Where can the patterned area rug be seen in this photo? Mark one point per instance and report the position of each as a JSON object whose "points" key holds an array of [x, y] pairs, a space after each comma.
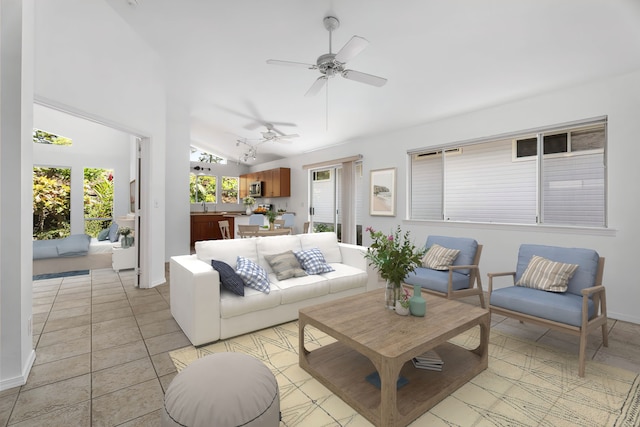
{"points": [[526, 384]]}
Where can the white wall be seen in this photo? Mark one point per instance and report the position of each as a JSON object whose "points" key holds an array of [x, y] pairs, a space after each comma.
{"points": [[90, 62], [618, 98]]}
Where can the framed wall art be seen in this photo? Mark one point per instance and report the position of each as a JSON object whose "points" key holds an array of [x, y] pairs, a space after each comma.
{"points": [[382, 195]]}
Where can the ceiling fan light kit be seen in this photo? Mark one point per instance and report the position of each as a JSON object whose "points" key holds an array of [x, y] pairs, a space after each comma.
{"points": [[331, 64]]}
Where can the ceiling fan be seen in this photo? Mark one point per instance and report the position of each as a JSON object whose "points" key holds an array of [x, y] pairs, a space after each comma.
{"points": [[331, 64], [271, 134]]}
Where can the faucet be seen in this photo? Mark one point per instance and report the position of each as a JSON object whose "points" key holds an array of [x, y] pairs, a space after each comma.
{"points": [[204, 206]]}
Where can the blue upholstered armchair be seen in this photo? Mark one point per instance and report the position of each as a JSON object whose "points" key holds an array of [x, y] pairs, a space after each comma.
{"points": [[451, 279], [558, 288]]}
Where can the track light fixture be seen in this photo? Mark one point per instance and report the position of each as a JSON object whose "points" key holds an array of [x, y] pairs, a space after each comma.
{"points": [[201, 168]]}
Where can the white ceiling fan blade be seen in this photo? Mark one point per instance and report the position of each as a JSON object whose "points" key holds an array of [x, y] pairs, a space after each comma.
{"points": [[293, 135], [351, 49], [292, 64], [316, 86], [364, 78]]}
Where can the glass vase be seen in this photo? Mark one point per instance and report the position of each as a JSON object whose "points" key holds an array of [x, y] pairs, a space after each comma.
{"points": [[391, 295]]}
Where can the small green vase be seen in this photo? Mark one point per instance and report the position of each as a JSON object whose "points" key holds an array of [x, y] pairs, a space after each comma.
{"points": [[417, 304]]}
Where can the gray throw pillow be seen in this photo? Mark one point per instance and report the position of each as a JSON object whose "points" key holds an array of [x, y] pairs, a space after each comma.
{"points": [[285, 265]]}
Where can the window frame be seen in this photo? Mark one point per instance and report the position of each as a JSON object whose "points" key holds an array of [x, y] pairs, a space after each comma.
{"points": [[577, 126]]}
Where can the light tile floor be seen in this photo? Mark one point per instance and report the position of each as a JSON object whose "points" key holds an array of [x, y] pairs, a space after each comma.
{"points": [[102, 352]]}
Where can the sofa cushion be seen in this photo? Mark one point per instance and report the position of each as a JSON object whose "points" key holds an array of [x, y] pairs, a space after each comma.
{"points": [[561, 307], [439, 258], [252, 274], [285, 265], [436, 280], [226, 250], [228, 277], [272, 245], [587, 260], [327, 242], [547, 275], [254, 301], [345, 277], [301, 288], [312, 261], [467, 246]]}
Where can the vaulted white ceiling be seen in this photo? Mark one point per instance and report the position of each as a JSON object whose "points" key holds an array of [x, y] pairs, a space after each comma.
{"points": [[441, 58]]}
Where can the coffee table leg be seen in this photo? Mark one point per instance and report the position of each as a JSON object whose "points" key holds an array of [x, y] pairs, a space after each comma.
{"points": [[389, 374]]}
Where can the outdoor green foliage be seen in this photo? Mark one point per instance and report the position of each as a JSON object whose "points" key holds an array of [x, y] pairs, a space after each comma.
{"points": [[320, 227], [98, 200], [229, 189], [202, 188], [209, 158], [51, 203], [42, 137]]}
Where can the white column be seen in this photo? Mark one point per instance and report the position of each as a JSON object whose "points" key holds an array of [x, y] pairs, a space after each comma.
{"points": [[16, 189]]}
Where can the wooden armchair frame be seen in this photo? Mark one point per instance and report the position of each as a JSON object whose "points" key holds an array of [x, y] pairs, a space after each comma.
{"points": [[599, 320], [475, 282]]}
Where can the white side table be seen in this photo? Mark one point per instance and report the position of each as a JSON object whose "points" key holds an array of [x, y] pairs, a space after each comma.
{"points": [[122, 259]]}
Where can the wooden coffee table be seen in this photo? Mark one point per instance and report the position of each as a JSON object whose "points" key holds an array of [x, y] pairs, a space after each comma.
{"points": [[372, 338]]}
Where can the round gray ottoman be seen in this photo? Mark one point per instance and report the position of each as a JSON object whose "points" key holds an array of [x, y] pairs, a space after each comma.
{"points": [[223, 390]]}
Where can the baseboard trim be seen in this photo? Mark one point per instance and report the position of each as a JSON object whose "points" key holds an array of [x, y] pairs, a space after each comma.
{"points": [[20, 380]]}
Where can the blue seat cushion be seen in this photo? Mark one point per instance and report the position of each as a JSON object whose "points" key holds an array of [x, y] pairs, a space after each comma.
{"points": [[436, 280], [560, 307], [465, 245], [587, 260]]}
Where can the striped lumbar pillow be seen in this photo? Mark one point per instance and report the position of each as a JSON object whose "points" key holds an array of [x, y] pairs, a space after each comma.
{"points": [[547, 275], [439, 257]]}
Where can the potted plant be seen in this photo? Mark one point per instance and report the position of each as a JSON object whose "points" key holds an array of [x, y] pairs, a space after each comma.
{"points": [[248, 202], [394, 256], [271, 216], [127, 241]]}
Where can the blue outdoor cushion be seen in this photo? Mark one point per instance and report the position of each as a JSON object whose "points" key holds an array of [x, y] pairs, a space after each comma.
{"points": [[228, 277], [74, 245], [561, 307], [45, 249], [587, 260], [436, 280], [465, 245], [113, 232], [103, 235]]}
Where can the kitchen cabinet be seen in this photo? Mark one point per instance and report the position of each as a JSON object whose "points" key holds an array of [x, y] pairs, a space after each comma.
{"points": [[205, 226], [244, 186], [276, 182]]}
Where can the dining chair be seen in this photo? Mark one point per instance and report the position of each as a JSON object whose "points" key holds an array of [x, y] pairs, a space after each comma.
{"points": [[256, 219], [279, 223], [248, 230], [305, 228], [224, 229], [289, 220]]}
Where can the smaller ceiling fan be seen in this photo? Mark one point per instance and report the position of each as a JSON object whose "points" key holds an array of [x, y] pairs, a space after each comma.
{"points": [[272, 134], [331, 64]]}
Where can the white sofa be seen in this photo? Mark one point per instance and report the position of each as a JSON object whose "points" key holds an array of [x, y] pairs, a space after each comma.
{"points": [[207, 312]]}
